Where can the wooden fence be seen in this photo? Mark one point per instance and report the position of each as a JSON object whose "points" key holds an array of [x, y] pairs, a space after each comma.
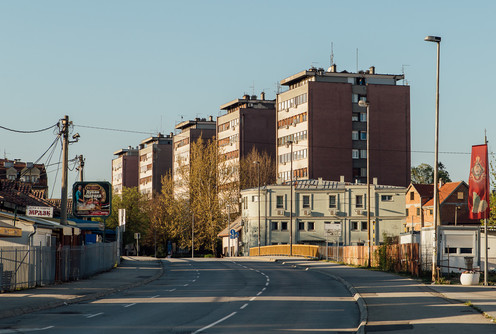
{"points": [[396, 257]]}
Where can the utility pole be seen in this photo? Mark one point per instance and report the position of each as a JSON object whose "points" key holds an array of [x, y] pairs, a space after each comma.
{"points": [[81, 168], [64, 131]]}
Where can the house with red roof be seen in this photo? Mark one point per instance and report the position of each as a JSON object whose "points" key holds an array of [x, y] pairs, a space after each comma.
{"points": [[453, 205]]}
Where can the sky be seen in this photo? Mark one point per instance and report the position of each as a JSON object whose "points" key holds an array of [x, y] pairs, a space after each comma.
{"points": [[140, 67]]}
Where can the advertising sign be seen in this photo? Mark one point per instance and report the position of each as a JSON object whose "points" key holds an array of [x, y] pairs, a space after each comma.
{"points": [[91, 199], [39, 211]]}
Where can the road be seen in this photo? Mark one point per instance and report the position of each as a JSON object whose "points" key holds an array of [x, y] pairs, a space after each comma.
{"points": [[209, 296]]}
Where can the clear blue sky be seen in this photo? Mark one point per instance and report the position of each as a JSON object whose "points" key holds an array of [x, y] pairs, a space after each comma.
{"points": [[141, 65]]}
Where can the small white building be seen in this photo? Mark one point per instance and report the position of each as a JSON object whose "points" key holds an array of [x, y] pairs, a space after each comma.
{"points": [[316, 202]]}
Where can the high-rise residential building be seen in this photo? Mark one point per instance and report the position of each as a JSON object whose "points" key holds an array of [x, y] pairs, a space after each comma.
{"points": [[125, 169], [249, 123], [155, 161], [320, 120], [189, 133]]}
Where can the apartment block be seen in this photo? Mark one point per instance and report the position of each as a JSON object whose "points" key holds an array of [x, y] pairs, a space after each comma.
{"points": [[315, 204], [189, 132], [125, 169], [155, 161], [249, 123], [320, 121]]}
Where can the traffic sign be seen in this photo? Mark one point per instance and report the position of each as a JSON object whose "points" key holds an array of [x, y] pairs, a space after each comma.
{"points": [[233, 234]]}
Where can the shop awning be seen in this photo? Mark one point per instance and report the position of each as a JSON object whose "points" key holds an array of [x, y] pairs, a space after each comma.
{"points": [[9, 231]]}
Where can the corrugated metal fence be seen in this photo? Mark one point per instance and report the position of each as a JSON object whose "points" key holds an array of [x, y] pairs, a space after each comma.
{"points": [[28, 267]]}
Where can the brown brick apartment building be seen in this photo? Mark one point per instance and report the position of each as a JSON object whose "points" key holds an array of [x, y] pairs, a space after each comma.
{"points": [[320, 116]]}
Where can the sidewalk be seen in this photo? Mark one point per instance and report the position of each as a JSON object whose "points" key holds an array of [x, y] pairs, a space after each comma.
{"points": [[132, 272], [397, 304]]}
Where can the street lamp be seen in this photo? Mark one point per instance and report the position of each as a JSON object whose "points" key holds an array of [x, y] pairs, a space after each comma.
{"points": [[258, 171], [366, 104], [290, 143], [436, 40]]}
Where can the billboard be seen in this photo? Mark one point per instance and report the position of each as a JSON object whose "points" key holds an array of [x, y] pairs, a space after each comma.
{"points": [[91, 199]]}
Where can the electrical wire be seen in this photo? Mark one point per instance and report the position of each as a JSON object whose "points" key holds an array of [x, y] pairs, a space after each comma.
{"points": [[110, 129], [28, 131], [58, 168]]}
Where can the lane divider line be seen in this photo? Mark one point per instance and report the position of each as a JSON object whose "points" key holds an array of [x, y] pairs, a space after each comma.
{"points": [[242, 307], [129, 305], [94, 315], [214, 323]]}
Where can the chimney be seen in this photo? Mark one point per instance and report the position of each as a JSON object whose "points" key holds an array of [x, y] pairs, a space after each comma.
{"points": [[441, 183], [341, 179], [262, 96], [253, 97], [171, 134], [246, 97], [374, 181], [372, 70], [210, 118], [332, 69]]}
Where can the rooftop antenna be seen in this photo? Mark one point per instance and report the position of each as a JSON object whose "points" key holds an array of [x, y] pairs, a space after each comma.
{"points": [[253, 88], [403, 72], [357, 60], [332, 53]]}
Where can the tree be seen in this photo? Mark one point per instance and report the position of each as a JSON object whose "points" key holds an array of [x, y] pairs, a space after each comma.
{"points": [[424, 174], [249, 172], [136, 205]]}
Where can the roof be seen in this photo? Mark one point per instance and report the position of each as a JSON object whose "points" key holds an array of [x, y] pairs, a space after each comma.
{"points": [[17, 193], [444, 192], [236, 225], [240, 102], [424, 190], [314, 72]]}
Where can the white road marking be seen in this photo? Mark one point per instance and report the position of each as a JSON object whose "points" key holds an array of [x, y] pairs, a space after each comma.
{"points": [[264, 289], [24, 330], [253, 298], [129, 305], [245, 305], [171, 290], [155, 296], [186, 284], [267, 284], [259, 293], [194, 281], [94, 315], [214, 323]]}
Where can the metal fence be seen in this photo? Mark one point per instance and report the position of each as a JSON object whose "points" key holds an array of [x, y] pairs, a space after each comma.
{"points": [[27, 267]]}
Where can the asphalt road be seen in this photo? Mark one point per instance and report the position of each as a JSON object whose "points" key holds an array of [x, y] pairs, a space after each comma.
{"points": [[209, 296]]}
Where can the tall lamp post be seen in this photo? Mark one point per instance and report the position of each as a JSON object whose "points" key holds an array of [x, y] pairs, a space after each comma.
{"points": [[436, 40], [366, 104], [258, 171], [291, 202]]}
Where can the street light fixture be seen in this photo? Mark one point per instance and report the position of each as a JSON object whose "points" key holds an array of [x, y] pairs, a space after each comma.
{"points": [[366, 104], [258, 171], [436, 40]]}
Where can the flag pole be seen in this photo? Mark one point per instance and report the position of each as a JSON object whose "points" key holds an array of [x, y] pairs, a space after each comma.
{"points": [[485, 220]]}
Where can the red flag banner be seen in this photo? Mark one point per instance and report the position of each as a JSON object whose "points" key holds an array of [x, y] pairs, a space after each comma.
{"points": [[478, 184]]}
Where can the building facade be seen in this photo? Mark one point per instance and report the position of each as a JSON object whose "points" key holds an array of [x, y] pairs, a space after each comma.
{"points": [[155, 161], [320, 121], [125, 169], [189, 132], [28, 174], [315, 203]]}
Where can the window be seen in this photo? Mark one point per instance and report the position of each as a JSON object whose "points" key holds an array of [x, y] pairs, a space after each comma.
{"points": [[418, 211], [359, 201], [407, 212], [354, 154], [354, 135], [460, 195], [412, 195], [386, 198], [274, 226], [465, 250], [450, 250], [332, 201], [301, 226], [363, 154], [280, 202], [363, 135], [430, 212], [363, 172], [311, 226], [354, 117], [306, 201], [364, 226], [354, 226], [363, 117], [284, 226]]}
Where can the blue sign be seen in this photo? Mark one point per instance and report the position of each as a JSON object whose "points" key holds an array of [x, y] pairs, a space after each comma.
{"points": [[233, 234]]}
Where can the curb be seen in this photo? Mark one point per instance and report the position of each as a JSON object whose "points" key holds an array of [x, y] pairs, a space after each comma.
{"points": [[93, 296], [362, 306]]}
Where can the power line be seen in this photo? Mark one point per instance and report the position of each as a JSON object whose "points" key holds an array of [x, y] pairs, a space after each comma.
{"points": [[110, 129], [28, 131]]}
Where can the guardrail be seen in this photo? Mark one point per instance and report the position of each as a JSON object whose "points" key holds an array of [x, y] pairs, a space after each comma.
{"points": [[284, 250]]}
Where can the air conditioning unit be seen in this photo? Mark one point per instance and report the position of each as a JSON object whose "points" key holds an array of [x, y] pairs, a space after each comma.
{"points": [[287, 126], [234, 128], [294, 123], [307, 212], [287, 109], [280, 212], [332, 212], [283, 163], [359, 212]]}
